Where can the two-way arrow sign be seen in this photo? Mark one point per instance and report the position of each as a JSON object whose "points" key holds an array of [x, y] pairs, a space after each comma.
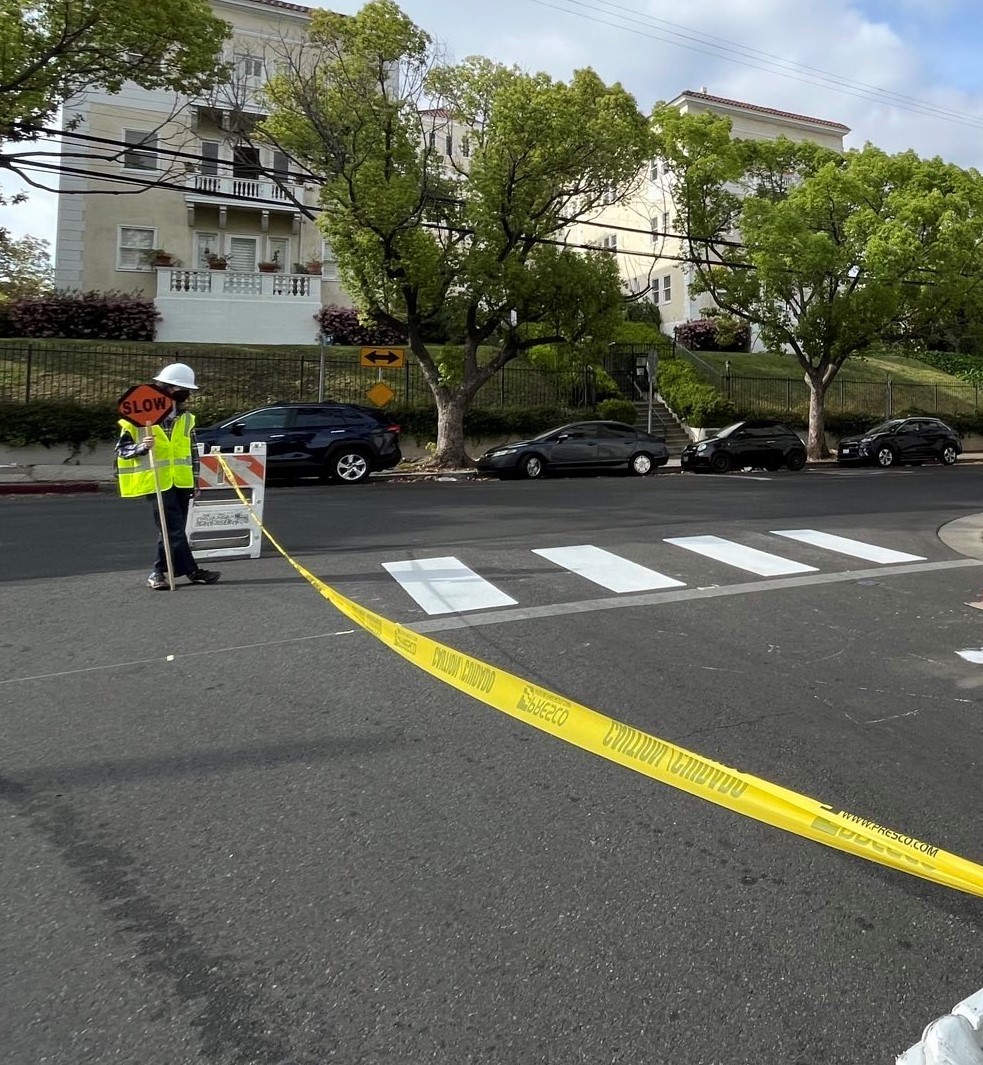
{"points": [[392, 358]]}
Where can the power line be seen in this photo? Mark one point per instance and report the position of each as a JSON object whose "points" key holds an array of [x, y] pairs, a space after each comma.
{"points": [[743, 56]]}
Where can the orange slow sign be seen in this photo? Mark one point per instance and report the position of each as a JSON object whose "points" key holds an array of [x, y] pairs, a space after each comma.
{"points": [[144, 405]]}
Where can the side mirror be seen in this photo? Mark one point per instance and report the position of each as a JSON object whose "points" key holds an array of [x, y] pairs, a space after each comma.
{"points": [[563, 436], [238, 428]]}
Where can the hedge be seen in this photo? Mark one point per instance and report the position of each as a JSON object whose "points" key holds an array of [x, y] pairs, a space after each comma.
{"points": [[50, 423], [689, 397], [83, 315]]}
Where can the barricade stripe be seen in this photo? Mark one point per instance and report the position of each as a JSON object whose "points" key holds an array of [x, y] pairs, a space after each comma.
{"points": [[659, 759]]}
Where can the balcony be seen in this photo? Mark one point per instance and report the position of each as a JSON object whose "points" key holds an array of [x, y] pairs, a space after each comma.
{"points": [[233, 307], [257, 193]]}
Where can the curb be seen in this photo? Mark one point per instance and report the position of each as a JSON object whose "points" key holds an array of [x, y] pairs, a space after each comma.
{"points": [[49, 488]]}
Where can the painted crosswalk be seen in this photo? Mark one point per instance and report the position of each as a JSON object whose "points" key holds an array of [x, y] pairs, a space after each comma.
{"points": [[446, 585], [750, 559], [607, 569]]}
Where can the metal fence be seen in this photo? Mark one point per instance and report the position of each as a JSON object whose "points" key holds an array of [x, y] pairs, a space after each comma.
{"points": [[846, 396], [244, 379]]}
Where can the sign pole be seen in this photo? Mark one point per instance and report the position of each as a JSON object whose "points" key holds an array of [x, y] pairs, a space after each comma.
{"points": [[164, 534]]}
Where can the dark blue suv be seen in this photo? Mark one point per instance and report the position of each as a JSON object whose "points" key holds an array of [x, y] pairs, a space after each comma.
{"points": [[340, 442]]}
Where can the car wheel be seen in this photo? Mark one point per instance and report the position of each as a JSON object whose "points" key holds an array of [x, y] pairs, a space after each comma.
{"points": [[640, 464], [348, 466], [532, 467], [884, 456], [948, 455], [720, 462], [796, 460]]}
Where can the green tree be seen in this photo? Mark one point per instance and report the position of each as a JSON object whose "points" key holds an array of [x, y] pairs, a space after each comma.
{"points": [[477, 244], [25, 267], [825, 254], [51, 50]]}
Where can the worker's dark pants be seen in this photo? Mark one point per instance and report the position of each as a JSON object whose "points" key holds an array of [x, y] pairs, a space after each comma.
{"points": [[176, 504]]}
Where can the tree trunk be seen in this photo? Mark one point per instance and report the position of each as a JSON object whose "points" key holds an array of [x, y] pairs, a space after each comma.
{"points": [[450, 453], [816, 441]]}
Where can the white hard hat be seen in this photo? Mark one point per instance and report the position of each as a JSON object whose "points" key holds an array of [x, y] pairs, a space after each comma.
{"points": [[178, 374]]}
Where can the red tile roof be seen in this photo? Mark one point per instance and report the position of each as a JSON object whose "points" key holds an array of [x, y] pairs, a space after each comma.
{"points": [[284, 5], [707, 98]]}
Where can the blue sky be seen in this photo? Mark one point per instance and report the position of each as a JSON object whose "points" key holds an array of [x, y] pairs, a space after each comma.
{"points": [[834, 59]]}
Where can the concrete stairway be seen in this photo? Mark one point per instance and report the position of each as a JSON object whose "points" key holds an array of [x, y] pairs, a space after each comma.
{"points": [[663, 424]]}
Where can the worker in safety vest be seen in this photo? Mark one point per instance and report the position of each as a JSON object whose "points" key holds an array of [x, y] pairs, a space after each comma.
{"points": [[176, 461]]}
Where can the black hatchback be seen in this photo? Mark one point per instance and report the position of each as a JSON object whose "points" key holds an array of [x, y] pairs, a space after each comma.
{"points": [[900, 440], [341, 442], [758, 443]]}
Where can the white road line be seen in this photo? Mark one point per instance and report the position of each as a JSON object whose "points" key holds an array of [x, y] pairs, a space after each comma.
{"points": [[445, 585], [739, 556], [607, 569], [972, 655], [845, 546]]}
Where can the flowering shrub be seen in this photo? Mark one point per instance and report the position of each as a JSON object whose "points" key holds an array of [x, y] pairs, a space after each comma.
{"points": [[714, 334], [342, 323], [86, 315]]}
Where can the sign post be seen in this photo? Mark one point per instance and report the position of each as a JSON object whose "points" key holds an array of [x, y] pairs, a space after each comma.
{"points": [[146, 406], [325, 340]]}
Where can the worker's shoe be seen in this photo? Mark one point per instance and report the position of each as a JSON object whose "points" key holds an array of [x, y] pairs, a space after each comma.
{"points": [[204, 576], [157, 581]]}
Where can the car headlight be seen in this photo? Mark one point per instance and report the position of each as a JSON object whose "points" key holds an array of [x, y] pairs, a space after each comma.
{"points": [[502, 451], [701, 447]]}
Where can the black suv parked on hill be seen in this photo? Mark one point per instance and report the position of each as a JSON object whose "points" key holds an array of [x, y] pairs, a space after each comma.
{"points": [[901, 440], [340, 442]]}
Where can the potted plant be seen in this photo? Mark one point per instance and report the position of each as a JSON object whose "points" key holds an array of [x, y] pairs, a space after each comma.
{"points": [[299, 268], [217, 262], [314, 266], [159, 257]]}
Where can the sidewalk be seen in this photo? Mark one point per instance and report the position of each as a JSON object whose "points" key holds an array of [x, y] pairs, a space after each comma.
{"points": [[65, 480]]}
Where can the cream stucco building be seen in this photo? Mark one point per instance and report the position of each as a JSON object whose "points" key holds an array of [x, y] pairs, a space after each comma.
{"points": [[238, 260], [640, 229]]}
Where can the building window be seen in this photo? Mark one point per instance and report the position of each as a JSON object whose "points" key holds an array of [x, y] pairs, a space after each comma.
{"points": [[133, 245], [206, 245], [245, 161], [465, 146], [329, 265], [667, 288], [654, 170], [449, 145], [250, 67], [281, 167], [665, 223], [208, 150], [655, 230], [141, 150], [433, 140], [610, 242], [609, 195]]}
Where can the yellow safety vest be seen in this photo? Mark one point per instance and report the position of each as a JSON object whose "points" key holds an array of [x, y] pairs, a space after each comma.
{"points": [[172, 457]]}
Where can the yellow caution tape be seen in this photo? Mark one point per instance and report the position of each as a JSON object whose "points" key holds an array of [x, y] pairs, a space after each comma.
{"points": [[630, 747]]}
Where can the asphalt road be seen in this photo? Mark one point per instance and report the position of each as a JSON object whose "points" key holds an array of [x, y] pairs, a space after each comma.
{"points": [[287, 845]]}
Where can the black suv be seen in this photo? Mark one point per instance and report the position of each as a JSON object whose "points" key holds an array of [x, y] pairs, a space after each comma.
{"points": [[764, 444], [335, 441], [901, 440]]}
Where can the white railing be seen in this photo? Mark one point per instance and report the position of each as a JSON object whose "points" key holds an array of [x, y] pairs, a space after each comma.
{"points": [[235, 283], [239, 188]]}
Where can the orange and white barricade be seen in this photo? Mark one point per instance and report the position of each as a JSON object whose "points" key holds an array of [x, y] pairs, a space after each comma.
{"points": [[219, 526]]}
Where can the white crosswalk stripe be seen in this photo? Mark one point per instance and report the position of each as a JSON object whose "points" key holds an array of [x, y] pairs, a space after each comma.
{"points": [[733, 554], [845, 546], [607, 569], [446, 586]]}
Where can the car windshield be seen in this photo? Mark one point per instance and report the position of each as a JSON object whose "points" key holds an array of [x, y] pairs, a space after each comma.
{"points": [[884, 427], [730, 429]]}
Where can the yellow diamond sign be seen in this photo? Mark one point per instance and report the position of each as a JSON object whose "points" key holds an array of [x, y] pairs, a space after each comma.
{"points": [[380, 393]]}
